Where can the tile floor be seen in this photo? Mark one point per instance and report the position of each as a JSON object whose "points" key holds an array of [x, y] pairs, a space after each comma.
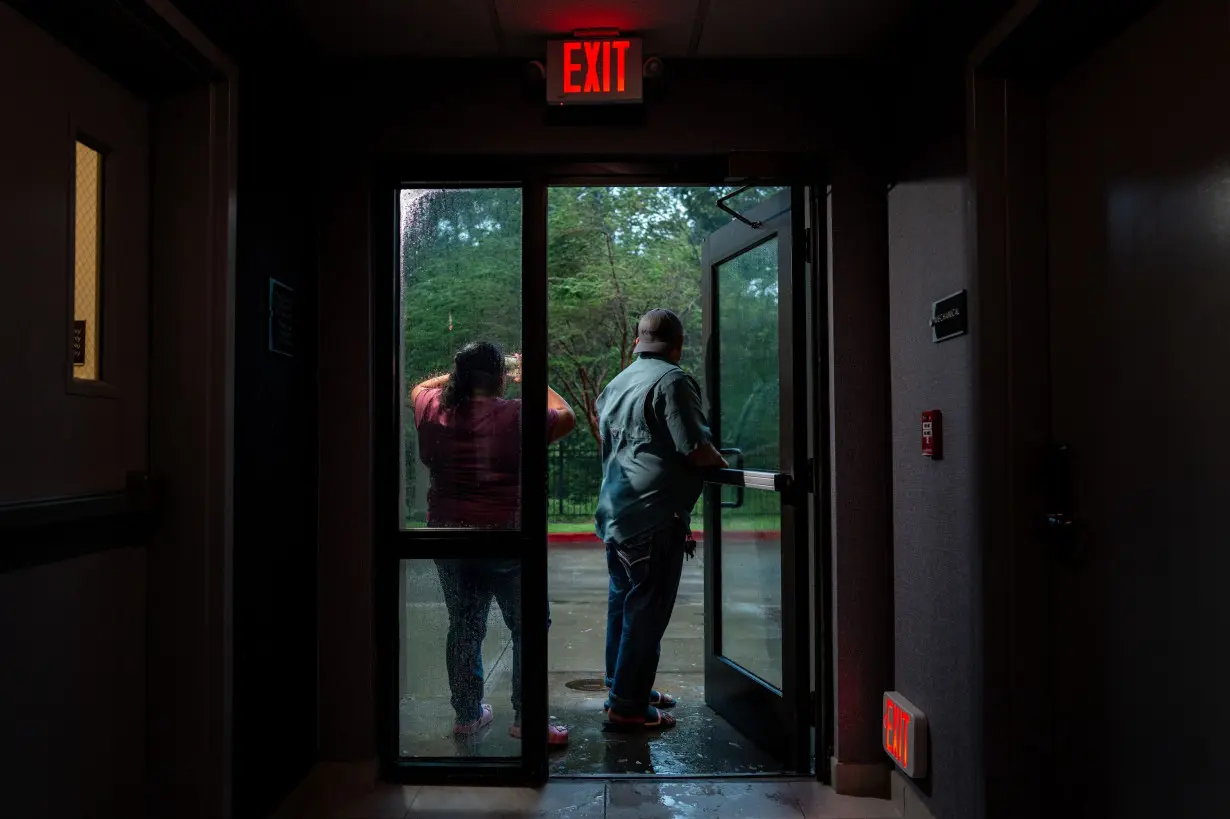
{"points": [[610, 800]]}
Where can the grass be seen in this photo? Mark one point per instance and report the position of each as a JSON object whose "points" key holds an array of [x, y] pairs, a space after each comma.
{"points": [[746, 519], [570, 527], [739, 523], [733, 523]]}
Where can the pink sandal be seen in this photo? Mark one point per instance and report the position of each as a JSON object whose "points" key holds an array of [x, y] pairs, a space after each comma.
{"points": [[557, 735], [469, 728]]}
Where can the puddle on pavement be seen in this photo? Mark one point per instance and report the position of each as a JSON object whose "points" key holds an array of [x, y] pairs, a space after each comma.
{"points": [[702, 744]]}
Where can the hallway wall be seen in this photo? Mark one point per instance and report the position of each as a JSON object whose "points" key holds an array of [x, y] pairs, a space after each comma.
{"points": [[72, 687], [860, 471], [405, 112], [480, 107], [935, 542], [275, 446]]}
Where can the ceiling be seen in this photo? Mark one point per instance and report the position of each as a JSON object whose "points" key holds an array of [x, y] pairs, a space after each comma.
{"points": [[670, 28]]}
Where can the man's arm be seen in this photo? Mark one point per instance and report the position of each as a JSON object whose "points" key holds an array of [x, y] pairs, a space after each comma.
{"points": [[706, 456], [679, 406]]}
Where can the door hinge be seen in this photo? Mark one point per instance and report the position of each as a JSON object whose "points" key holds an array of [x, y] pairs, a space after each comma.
{"points": [[807, 244]]}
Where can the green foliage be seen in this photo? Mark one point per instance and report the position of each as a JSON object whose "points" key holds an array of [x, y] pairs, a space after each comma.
{"points": [[613, 253], [461, 274], [747, 298]]}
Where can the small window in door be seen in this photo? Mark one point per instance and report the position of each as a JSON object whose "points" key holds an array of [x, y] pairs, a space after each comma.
{"points": [[87, 264]]}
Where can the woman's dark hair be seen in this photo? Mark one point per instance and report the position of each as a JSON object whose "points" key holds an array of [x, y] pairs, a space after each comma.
{"points": [[478, 368]]}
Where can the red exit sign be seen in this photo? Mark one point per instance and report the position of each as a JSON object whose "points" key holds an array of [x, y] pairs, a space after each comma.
{"points": [[904, 735], [594, 70]]}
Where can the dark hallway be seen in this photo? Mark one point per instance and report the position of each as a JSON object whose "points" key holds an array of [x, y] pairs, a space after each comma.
{"points": [[944, 574]]}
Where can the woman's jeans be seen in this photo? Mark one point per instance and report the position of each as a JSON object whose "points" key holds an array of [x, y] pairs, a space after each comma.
{"points": [[468, 588]]}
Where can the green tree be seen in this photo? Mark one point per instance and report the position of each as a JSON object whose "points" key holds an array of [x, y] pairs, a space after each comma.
{"points": [[613, 254], [461, 274]]}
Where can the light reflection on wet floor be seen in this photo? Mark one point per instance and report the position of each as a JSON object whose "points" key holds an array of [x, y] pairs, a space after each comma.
{"points": [[593, 799], [702, 744]]}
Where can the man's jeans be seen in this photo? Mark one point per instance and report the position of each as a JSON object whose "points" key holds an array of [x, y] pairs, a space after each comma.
{"points": [[645, 573], [468, 588]]}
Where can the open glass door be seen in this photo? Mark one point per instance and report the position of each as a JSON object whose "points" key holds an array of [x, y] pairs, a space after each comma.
{"points": [[755, 513]]}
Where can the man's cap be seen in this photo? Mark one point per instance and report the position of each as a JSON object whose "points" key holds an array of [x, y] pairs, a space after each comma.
{"points": [[659, 331]]}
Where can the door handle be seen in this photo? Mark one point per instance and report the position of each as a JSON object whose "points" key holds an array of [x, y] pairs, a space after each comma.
{"points": [[737, 454], [1058, 519]]}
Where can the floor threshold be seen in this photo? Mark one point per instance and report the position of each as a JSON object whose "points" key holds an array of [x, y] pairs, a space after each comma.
{"points": [[337, 792]]}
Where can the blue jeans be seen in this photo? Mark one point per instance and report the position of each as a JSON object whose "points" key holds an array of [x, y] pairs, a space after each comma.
{"points": [[645, 572], [468, 588]]}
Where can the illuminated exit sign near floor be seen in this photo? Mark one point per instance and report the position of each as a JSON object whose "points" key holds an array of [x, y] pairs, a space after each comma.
{"points": [[904, 735], [594, 71]]}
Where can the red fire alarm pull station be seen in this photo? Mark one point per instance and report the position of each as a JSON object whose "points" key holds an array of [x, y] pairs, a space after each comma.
{"points": [[933, 434]]}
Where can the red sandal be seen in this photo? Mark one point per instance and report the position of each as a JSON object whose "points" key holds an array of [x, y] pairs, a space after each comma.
{"points": [[557, 735], [465, 729]]}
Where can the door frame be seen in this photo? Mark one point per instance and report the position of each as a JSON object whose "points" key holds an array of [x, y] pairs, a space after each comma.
{"points": [[392, 544], [535, 174]]}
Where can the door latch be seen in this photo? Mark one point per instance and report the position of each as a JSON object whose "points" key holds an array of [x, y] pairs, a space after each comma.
{"points": [[811, 479], [1058, 519]]}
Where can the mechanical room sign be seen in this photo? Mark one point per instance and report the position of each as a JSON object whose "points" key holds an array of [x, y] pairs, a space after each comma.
{"points": [[950, 317], [904, 735]]}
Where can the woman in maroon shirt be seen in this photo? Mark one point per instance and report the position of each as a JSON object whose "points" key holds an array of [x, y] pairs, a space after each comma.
{"points": [[470, 441]]}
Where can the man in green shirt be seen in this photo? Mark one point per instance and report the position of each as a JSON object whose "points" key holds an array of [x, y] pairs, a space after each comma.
{"points": [[655, 448]]}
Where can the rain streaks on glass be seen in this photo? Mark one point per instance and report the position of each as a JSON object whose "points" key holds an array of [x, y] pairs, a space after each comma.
{"points": [[460, 280]]}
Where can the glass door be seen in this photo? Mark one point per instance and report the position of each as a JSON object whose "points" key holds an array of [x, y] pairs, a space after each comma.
{"points": [[757, 669], [459, 361]]}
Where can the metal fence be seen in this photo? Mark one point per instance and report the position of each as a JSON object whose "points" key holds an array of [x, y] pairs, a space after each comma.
{"points": [[574, 476]]}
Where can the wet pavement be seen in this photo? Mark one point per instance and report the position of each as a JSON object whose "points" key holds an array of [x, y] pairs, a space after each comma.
{"points": [[703, 744]]}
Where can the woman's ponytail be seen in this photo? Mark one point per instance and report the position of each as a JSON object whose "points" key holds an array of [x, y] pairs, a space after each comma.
{"points": [[478, 367]]}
